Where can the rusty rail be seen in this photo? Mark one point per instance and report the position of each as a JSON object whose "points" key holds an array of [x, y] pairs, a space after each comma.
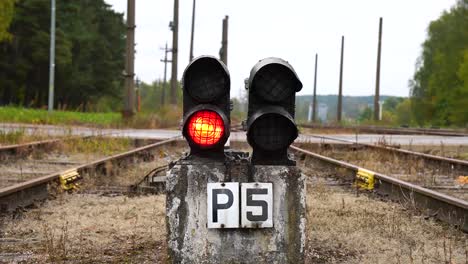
{"points": [[26, 193], [443, 207], [456, 162], [14, 148], [394, 130]]}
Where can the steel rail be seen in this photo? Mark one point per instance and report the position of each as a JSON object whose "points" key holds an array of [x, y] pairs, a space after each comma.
{"points": [[30, 145], [457, 162], [441, 206], [26, 193], [391, 130]]}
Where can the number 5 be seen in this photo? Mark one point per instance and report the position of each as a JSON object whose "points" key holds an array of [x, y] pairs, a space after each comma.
{"points": [[263, 204]]}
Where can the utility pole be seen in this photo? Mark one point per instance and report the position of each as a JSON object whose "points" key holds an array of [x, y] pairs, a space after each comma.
{"points": [[175, 44], [130, 61], [165, 60], [193, 31], [377, 77], [52, 57], [340, 92], [223, 53], [314, 109], [138, 94]]}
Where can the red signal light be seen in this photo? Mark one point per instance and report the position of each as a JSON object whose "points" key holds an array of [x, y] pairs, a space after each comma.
{"points": [[205, 128]]}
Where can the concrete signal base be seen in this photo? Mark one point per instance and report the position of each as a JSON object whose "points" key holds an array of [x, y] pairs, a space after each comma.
{"points": [[190, 241]]}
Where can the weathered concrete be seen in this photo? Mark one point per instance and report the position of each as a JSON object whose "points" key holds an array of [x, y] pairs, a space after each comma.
{"points": [[189, 239]]}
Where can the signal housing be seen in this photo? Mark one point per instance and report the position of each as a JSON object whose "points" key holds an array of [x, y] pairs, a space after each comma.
{"points": [[206, 88], [271, 129]]}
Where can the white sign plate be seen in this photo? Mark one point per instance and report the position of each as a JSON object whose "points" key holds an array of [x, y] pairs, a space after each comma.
{"points": [[223, 205], [257, 205]]}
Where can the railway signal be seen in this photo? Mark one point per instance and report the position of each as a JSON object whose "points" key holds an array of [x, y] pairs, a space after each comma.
{"points": [[272, 86], [217, 192], [206, 117]]}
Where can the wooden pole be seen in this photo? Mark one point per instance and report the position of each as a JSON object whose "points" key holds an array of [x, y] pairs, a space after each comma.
{"points": [[175, 44], [224, 42], [193, 31], [130, 61]]}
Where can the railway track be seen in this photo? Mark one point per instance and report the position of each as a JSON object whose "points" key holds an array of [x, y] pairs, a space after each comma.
{"points": [[394, 131], [429, 202], [27, 193], [25, 148], [456, 163], [30, 146]]}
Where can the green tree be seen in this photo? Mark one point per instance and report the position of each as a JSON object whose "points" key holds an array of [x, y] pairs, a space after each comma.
{"points": [[391, 103], [6, 16], [438, 90], [403, 112], [365, 115], [90, 45]]}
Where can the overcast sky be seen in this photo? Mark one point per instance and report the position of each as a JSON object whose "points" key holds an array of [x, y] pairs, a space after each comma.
{"points": [[294, 30]]}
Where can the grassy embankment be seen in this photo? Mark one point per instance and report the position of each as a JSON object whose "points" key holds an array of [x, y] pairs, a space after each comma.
{"points": [[165, 117]]}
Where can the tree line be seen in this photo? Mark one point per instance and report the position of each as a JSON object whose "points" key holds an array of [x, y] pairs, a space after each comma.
{"points": [[439, 88], [90, 49]]}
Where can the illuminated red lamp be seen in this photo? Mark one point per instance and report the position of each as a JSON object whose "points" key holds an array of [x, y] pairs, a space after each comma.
{"points": [[205, 128]]}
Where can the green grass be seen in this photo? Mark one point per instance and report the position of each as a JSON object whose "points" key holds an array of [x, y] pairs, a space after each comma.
{"points": [[166, 117], [39, 116]]}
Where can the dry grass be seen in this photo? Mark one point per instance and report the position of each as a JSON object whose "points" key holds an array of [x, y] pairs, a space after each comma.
{"points": [[408, 168], [90, 229], [450, 151], [99, 145], [342, 228], [93, 228], [363, 230]]}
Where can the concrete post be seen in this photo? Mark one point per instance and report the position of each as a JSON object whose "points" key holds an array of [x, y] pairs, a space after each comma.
{"points": [[314, 102], [130, 61], [52, 57], [377, 76], [190, 241], [340, 89]]}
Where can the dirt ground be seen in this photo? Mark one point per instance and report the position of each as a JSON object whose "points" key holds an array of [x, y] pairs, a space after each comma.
{"points": [[87, 228], [342, 228], [350, 229], [102, 227]]}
